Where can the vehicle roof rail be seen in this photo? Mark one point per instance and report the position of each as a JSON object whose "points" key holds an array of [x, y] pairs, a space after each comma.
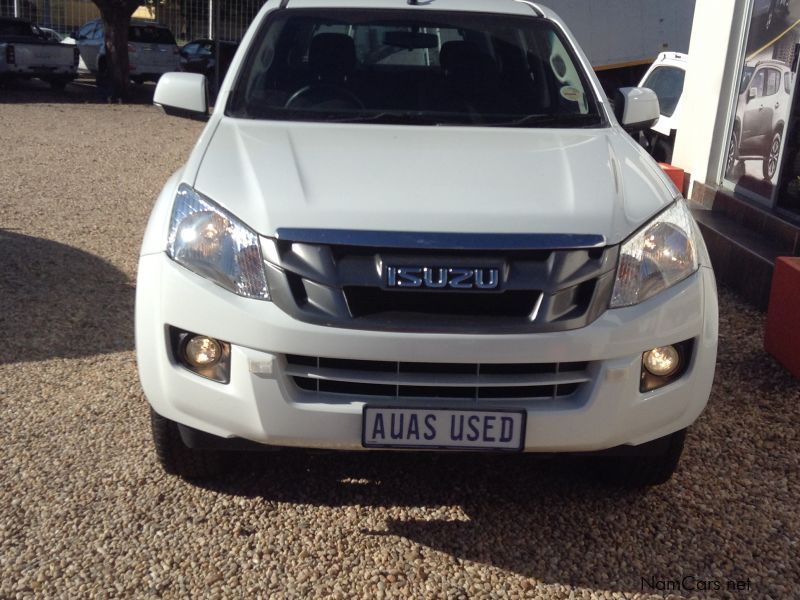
{"points": [[535, 7], [284, 4]]}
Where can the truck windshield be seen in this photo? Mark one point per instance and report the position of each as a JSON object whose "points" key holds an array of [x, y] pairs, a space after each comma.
{"points": [[150, 35], [414, 67]]}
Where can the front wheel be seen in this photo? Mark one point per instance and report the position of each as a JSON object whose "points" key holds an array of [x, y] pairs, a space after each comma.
{"points": [[178, 459], [770, 164], [730, 160], [653, 464]]}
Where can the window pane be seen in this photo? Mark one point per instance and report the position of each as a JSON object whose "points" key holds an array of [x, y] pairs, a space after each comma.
{"points": [[773, 79], [667, 83], [150, 35], [758, 83]]}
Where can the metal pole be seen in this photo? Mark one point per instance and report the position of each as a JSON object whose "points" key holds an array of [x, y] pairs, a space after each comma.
{"points": [[211, 19], [217, 43], [16, 9]]}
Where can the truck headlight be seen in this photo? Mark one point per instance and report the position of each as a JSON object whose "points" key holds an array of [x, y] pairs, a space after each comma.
{"points": [[659, 255], [213, 243]]}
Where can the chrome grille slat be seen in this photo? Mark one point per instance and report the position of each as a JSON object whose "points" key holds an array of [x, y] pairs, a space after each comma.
{"points": [[436, 380], [387, 379]]}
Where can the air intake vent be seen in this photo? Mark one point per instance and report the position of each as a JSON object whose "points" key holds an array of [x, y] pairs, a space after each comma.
{"points": [[382, 379]]}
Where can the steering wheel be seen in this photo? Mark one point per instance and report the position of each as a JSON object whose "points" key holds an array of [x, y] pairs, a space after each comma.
{"points": [[326, 93]]}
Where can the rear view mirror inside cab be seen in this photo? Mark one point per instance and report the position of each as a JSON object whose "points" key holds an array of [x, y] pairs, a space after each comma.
{"points": [[410, 40]]}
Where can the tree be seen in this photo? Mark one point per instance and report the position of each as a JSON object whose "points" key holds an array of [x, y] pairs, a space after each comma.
{"points": [[116, 15]]}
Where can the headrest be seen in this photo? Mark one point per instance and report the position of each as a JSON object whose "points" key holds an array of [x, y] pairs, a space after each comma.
{"points": [[466, 60], [332, 54]]}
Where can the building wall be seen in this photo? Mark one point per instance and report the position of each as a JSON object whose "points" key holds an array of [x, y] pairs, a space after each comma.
{"points": [[714, 51]]}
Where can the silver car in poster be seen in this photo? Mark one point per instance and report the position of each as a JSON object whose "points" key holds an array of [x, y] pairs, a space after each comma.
{"points": [[762, 109]]}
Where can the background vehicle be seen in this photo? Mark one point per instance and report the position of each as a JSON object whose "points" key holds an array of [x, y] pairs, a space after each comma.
{"points": [[49, 34], [82, 68], [665, 77], [24, 54], [763, 107], [199, 56], [631, 36], [152, 50]]}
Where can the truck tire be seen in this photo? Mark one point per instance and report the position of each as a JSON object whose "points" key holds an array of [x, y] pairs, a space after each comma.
{"points": [[731, 158], [101, 75], [178, 459], [646, 468]]}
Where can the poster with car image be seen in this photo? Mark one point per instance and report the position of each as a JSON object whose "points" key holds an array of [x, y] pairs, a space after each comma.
{"points": [[764, 98]]}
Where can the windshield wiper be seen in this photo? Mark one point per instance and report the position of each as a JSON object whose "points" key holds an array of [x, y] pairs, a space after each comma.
{"points": [[551, 120], [393, 118]]}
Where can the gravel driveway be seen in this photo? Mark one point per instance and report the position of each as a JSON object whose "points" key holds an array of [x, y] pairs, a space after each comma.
{"points": [[86, 511]]}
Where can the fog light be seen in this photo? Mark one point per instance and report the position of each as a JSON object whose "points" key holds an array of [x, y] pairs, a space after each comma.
{"points": [[202, 351], [663, 361]]}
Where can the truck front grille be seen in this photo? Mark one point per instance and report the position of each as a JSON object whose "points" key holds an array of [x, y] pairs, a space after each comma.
{"points": [[347, 286], [463, 381], [369, 301]]}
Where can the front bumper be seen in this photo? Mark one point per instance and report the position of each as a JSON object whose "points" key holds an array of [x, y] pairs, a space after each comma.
{"points": [[262, 404]]}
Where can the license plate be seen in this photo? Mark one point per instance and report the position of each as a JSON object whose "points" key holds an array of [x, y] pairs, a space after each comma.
{"points": [[445, 429]]}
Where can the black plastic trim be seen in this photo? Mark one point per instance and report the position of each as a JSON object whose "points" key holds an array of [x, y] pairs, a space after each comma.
{"points": [[650, 382], [330, 285], [220, 373], [442, 241], [201, 440]]}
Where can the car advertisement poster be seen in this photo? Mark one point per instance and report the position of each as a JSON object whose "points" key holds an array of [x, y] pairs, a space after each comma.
{"points": [[764, 98]]}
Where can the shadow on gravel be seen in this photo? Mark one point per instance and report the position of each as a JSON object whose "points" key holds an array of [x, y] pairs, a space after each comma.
{"points": [[58, 301], [80, 91], [547, 518]]}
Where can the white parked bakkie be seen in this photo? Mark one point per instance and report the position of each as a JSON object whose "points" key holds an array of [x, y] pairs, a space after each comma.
{"points": [[25, 53], [665, 77], [421, 226], [152, 50]]}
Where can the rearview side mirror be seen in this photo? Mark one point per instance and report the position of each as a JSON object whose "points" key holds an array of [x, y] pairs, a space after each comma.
{"points": [[183, 95], [636, 108], [752, 94]]}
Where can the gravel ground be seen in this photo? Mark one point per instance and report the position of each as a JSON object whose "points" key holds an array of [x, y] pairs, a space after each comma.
{"points": [[86, 511]]}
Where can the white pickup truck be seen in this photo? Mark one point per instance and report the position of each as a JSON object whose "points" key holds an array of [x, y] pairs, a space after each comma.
{"points": [[25, 54], [421, 225]]}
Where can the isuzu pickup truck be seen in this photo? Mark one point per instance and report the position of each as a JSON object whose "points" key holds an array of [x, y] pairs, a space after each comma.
{"points": [[25, 54], [421, 226]]}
